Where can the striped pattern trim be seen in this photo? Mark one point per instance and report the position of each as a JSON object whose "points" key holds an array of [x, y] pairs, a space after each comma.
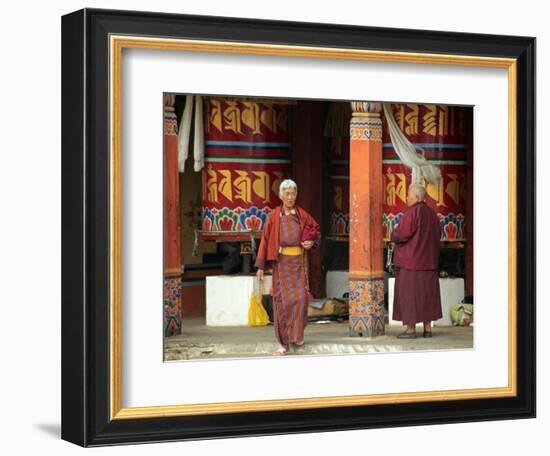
{"points": [[247, 144], [365, 279], [431, 146], [397, 161], [362, 274], [225, 159]]}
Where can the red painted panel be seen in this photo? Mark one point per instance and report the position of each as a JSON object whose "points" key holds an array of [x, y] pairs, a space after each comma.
{"points": [[248, 154]]}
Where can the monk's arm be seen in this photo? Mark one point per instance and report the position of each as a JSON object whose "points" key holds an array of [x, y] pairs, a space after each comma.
{"points": [[405, 229]]}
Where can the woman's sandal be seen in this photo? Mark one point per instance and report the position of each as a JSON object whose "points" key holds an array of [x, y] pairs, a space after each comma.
{"points": [[280, 352]]}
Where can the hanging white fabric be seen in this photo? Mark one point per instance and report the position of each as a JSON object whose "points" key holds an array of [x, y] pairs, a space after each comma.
{"points": [[198, 152], [184, 134], [410, 155]]}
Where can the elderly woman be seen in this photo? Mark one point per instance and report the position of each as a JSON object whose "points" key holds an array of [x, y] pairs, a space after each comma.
{"points": [[288, 234]]}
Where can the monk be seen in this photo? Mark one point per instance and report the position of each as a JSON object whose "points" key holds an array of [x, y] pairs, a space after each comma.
{"points": [[416, 259], [282, 246]]}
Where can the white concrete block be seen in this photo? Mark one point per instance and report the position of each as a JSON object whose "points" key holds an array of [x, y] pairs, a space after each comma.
{"points": [[452, 292], [228, 298], [337, 283]]}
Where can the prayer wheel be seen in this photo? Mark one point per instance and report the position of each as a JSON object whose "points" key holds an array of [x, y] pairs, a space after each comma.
{"points": [[339, 186], [247, 155], [441, 132]]}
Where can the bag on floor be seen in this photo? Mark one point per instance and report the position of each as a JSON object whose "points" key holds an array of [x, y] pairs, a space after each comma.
{"points": [[462, 314], [257, 316]]}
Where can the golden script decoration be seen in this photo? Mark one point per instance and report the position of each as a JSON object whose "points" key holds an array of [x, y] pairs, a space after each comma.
{"points": [[242, 187]]}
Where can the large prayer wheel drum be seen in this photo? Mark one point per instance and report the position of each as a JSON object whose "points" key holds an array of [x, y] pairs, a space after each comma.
{"points": [[247, 155], [441, 131]]}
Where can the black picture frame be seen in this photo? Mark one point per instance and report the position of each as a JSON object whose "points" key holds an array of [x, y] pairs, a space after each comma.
{"points": [[86, 408]]}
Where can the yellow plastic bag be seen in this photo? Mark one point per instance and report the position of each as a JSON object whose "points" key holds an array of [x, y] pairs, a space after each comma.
{"points": [[257, 316]]}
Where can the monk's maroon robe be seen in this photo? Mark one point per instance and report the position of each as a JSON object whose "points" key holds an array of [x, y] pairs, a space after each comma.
{"points": [[416, 258]]}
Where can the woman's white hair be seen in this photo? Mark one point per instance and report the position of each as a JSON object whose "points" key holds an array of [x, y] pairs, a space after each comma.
{"points": [[287, 184]]}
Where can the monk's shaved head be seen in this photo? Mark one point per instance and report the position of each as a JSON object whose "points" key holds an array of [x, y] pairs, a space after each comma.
{"points": [[419, 191], [416, 194]]}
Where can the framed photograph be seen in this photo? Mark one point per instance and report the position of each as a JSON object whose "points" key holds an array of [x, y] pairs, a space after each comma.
{"points": [[247, 212]]}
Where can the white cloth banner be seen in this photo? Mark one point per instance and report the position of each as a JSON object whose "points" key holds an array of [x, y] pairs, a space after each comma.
{"points": [[408, 154], [184, 134]]}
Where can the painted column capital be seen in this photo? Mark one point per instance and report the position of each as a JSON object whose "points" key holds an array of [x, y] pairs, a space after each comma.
{"points": [[169, 101], [366, 121], [170, 120], [366, 108]]}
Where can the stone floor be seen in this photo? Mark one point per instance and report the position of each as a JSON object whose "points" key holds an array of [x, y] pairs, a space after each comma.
{"points": [[322, 338]]}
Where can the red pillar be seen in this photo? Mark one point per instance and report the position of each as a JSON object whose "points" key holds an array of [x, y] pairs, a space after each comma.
{"points": [[172, 254], [366, 270]]}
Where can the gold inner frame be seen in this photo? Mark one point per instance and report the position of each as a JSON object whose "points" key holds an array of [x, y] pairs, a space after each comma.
{"points": [[117, 44]]}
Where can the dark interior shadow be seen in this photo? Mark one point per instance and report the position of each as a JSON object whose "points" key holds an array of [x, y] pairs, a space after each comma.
{"points": [[53, 429]]}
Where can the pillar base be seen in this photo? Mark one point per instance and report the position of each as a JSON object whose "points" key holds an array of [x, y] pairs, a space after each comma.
{"points": [[172, 306], [369, 332], [366, 308]]}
